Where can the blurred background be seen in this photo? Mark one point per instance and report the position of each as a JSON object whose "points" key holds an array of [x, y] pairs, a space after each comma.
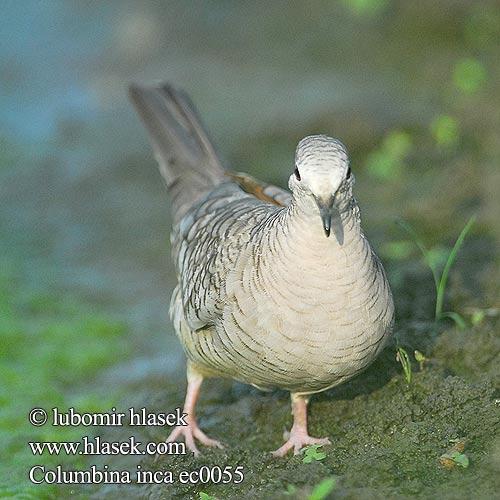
{"points": [[411, 88]]}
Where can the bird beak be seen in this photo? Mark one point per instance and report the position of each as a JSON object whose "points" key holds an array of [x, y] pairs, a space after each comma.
{"points": [[330, 216]]}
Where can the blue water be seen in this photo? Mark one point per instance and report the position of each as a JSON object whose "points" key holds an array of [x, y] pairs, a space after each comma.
{"points": [[46, 51]]}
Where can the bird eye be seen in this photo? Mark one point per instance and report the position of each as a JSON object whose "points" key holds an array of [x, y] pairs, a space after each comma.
{"points": [[297, 173], [348, 175]]}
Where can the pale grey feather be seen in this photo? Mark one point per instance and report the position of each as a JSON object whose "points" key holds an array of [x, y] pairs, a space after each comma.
{"points": [[263, 296]]}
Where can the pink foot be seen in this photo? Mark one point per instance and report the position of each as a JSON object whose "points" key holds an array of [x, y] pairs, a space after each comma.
{"points": [[191, 432], [297, 441], [298, 437]]}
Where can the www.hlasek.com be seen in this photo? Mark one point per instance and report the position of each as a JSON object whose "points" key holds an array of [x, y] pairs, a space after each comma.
{"points": [[40, 474]]}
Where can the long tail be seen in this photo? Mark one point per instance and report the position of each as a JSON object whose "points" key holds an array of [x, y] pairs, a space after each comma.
{"points": [[188, 162]]}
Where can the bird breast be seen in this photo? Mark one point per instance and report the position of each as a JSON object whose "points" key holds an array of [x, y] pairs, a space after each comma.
{"points": [[304, 313]]}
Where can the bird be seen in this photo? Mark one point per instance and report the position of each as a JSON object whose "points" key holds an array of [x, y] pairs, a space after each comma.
{"points": [[279, 289]]}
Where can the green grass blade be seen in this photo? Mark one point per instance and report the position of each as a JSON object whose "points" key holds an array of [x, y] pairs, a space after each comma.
{"points": [[422, 247], [451, 258], [460, 322], [404, 359]]}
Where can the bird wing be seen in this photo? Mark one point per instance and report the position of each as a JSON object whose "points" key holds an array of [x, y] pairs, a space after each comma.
{"points": [[262, 191], [214, 211], [210, 240]]}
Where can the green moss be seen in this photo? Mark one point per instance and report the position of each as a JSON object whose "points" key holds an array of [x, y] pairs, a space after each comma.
{"points": [[50, 347]]}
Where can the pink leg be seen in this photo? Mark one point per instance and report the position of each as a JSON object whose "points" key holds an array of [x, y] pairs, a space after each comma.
{"points": [[298, 436], [192, 431]]}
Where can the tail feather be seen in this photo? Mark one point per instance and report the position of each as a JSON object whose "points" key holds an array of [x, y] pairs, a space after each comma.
{"points": [[187, 159]]}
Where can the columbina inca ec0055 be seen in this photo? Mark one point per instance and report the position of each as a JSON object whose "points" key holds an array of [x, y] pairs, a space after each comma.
{"points": [[266, 295]]}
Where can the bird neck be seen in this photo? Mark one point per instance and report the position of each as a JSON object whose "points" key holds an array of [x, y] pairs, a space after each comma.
{"points": [[302, 217], [298, 245]]}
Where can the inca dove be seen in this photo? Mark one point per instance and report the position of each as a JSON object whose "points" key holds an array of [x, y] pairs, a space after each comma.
{"points": [[264, 295]]}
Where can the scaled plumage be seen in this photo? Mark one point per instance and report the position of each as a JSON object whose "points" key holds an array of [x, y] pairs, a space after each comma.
{"points": [[265, 295]]}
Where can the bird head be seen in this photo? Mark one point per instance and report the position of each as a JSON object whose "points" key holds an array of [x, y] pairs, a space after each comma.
{"points": [[322, 174]]}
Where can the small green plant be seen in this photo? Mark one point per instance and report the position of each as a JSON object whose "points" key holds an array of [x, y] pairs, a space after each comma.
{"points": [[420, 359], [461, 459], [403, 358], [455, 456], [206, 496], [322, 490], [477, 317], [440, 281], [312, 453]]}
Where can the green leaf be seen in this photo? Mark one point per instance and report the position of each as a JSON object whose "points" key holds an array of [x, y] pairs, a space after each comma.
{"points": [[312, 453], [420, 359], [459, 321], [322, 490], [436, 257], [425, 251], [477, 317], [460, 458], [449, 263], [419, 356], [404, 359], [206, 496]]}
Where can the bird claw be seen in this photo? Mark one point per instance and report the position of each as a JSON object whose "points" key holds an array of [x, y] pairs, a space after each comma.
{"points": [[297, 441], [190, 432]]}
